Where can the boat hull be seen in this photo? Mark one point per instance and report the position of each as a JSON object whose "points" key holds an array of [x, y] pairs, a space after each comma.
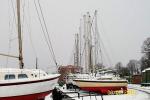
{"points": [[105, 90], [37, 96], [28, 90], [103, 87]]}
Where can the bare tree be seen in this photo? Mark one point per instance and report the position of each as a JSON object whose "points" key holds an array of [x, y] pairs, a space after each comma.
{"points": [[118, 67], [145, 60], [122, 71], [134, 67]]}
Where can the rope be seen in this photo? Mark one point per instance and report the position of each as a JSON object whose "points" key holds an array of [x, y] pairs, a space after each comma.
{"points": [[29, 31], [11, 25], [54, 58], [102, 45], [44, 28]]}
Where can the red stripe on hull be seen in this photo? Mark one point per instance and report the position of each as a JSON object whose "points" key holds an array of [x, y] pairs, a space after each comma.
{"points": [[37, 96], [104, 90], [27, 82]]}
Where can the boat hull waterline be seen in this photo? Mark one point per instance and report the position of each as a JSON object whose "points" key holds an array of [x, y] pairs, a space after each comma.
{"points": [[28, 90], [103, 87]]}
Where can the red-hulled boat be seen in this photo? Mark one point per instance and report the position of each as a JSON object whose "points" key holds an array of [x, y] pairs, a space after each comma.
{"points": [[26, 84], [92, 51], [102, 86]]}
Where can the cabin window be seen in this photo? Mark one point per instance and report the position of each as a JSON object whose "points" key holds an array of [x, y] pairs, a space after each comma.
{"points": [[9, 76], [35, 75], [22, 76]]}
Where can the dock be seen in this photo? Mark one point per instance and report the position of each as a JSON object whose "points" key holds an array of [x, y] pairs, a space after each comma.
{"points": [[62, 93]]}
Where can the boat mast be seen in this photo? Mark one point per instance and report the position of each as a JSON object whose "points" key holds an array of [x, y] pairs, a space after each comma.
{"points": [[85, 43], [96, 43], [89, 44], [96, 54], [21, 65], [80, 43], [98, 49], [76, 55]]}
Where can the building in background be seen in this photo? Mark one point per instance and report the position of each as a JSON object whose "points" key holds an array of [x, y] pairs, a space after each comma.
{"points": [[136, 79], [65, 70], [146, 77]]}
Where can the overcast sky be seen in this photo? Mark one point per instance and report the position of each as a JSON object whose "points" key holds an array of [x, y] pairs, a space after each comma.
{"points": [[123, 26]]}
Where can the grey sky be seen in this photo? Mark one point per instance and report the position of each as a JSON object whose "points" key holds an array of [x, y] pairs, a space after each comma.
{"points": [[123, 26]]}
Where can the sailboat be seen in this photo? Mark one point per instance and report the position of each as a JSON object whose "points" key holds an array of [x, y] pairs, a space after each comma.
{"points": [[24, 84], [101, 84]]}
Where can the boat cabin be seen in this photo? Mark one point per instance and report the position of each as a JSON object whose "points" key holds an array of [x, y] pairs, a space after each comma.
{"points": [[10, 74]]}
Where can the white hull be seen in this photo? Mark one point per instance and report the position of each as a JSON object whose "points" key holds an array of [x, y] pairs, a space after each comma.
{"points": [[19, 88], [35, 86], [102, 86]]}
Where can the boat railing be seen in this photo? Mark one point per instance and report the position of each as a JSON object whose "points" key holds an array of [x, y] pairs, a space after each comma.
{"points": [[57, 94]]}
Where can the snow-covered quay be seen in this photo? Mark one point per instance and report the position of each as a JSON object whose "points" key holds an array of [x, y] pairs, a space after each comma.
{"points": [[135, 92]]}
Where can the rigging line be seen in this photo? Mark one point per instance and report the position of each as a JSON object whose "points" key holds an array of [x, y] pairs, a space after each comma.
{"points": [[109, 60], [82, 53], [95, 40], [42, 26], [9, 35], [14, 14], [72, 54], [29, 30], [106, 53], [80, 42], [54, 58], [23, 17], [99, 43], [103, 48], [103, 31], [10, 27], [47, 32], [9, 17], [41, 23]]}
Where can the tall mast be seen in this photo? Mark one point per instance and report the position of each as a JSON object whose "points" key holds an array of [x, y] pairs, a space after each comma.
{"points": [[80, 43], [19, 35], [98, 49], [85, 43], [76, 55], [96, 54], [89, 43]]}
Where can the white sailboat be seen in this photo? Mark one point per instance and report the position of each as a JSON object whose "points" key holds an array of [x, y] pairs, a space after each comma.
{"points": [[24, 84], [101, 84]]}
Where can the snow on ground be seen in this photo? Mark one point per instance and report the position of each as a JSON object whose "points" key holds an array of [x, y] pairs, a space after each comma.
{"points": [[132, 95], [139, 87], [135, 92]]}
